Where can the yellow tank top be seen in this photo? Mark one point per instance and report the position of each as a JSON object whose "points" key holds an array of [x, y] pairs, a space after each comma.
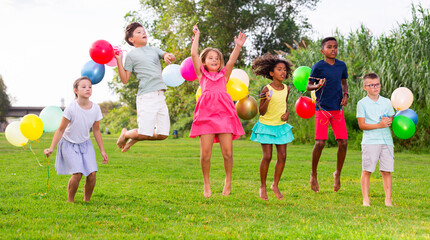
{"points": [[277, 107]]}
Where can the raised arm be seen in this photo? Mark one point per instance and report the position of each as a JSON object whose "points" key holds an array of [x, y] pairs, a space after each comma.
{"points": [[124, 75], [195, 52], [239, 41]]}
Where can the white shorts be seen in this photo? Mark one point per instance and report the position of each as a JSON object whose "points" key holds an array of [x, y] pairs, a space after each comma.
{"points": [[371, 153], [152, 114]]}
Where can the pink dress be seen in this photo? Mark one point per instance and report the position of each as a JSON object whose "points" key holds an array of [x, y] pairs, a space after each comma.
{"points": [[215, 112]]}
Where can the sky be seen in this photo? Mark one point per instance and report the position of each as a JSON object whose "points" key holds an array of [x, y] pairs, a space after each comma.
{"points": [[45, 43]]}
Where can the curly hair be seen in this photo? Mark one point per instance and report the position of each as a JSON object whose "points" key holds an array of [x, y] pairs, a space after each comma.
{"points": [[265, 64]]}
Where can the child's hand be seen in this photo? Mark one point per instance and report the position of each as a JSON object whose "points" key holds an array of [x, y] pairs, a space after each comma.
{"points": [[285, 116], [344, 101], [321, 84], [48, 152], [105, 157], [169, 58], [118, 56], [240, 39], [385, 122], [196, 29]]}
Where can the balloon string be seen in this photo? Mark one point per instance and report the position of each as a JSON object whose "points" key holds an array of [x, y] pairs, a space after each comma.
{"points": [[47, 168]]}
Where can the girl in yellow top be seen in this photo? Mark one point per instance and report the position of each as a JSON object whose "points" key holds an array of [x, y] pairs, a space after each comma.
{"points": [[272, 127]]}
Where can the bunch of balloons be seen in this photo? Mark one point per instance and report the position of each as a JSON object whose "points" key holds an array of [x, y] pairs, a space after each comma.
{"points": [[31, 127], [305, 106], [405, 120], [101, 53]]}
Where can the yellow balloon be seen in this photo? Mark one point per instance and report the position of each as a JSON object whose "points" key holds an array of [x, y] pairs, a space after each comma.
{"points": [[247, 108], [31, 127], [237, 89], [14, 136], [198, 93]]}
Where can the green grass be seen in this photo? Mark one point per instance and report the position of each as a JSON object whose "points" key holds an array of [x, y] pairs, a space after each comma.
{"points": [[156, 191]]}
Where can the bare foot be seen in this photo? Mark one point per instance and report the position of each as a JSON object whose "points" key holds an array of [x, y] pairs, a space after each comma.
{"points": [[388, 203], [314, 184], [122, 140], [263, 193], [207, 191], [366, 203], [71, 201], [227, 188], [128, 145], [336, 181], [275, 189]]}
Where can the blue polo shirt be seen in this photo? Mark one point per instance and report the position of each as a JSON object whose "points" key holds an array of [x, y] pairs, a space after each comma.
{"points": [[331, 94], [372, 112]]}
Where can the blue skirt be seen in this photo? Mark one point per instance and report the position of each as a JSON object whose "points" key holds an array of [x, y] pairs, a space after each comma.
{"points": [[75, 158], [267, 134]]}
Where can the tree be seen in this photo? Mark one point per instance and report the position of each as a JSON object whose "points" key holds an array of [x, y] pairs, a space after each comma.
{"points": [[4, 101]]}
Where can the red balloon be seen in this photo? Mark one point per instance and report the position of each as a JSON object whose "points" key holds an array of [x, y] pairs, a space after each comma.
{"points": [[305, 108], [101, 52]]}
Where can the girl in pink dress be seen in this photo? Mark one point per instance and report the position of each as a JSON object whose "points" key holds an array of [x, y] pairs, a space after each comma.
{"points": [[215, 117]]}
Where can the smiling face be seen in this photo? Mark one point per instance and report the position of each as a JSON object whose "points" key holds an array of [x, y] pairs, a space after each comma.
{"points": [[139, 38], [329, 50], [212, 61], [279, 73]]}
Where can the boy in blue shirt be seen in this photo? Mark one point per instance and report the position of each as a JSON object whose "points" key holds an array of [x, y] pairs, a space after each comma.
{"points": [[152, 112], [375, 115], [328, 79]]}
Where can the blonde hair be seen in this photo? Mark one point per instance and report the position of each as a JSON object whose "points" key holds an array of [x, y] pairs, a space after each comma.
{"points": [[77, 81], [205, 53]]}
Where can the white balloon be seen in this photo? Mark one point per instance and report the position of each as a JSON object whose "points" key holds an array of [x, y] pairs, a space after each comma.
{"points": [[402, 98], [172, 75], [14, 136], [241, 75]]}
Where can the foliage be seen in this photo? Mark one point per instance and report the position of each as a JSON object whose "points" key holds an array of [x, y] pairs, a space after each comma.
{"points": [[108, 105], [400, 59], [155, 191], [119, 118], [4, 101]]}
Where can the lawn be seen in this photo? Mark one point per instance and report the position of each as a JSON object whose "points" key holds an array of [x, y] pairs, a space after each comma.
{"points": [[156, 191]]}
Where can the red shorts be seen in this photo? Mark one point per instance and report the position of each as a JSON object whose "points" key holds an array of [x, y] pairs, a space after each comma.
{"points": [[336, 120]]}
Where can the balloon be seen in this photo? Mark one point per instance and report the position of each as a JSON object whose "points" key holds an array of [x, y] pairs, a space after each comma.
{"points": [[14, 136], [172, 75], [301, 77], [101, 52], [247, 108], [112, 62], [187, 69], [237, 89], [408, 113], [241, 75], [198, 93], [31, 127], [305, 108], [403, 127], [51, 117], [94, 71], [402, 98]]}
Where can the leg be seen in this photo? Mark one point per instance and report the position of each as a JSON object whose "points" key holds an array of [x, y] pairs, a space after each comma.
{"points": [[135, 137], [89, 186], [387, 182], [226, 144], [316, 154], [206, 144], [365, 183], [281, 152], [341, 154], [73, 187], [264, 167]]}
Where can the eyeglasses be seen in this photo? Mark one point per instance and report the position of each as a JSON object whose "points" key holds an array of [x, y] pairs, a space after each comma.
{"points": [[377, 85]]}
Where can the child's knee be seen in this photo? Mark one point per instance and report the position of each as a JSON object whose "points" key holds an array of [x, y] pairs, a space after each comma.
{"points": [[342, 143], [319, 143]]}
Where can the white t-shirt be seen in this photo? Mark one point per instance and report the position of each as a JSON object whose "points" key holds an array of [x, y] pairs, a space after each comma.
{"points": [[81, 121]]}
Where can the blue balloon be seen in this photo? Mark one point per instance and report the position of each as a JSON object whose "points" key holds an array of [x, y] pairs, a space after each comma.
{"points": [[411, 114], [94, 71], [172, 75]]}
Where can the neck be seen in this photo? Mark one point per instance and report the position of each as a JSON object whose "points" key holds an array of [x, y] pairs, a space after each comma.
{"points": [[139, 45], [83, 101], [330, 61], [373, 97]]}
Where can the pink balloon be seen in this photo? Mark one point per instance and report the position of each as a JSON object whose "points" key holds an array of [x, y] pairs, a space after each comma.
{"points": [[187, 69], [112, 62]]}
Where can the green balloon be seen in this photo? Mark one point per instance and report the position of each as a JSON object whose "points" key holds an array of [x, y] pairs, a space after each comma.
{"points": [[403, 127], [51, 118], [301, 77]]}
